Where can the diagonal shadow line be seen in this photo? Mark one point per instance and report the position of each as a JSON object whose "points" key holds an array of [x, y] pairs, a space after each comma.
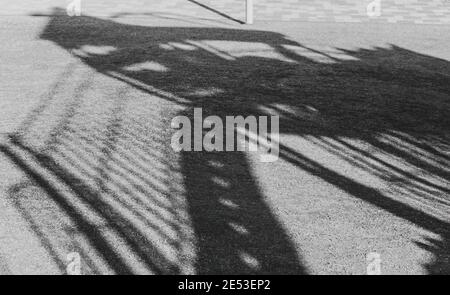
{"points": [[407, 174], [366, 194], [89, 229], [43, 238], [217, 12], [49, 96], [374, 197]]}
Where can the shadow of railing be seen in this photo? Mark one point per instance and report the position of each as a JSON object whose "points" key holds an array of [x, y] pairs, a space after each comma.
{"points": [[392, 100]]}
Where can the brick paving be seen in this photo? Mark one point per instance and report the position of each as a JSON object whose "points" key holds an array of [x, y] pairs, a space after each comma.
{"points": [[391, 11]]}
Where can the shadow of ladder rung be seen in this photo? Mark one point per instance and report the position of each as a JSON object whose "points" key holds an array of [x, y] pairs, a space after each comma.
{"points": [[105, 243]]}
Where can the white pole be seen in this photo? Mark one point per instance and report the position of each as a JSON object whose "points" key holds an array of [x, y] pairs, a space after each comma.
{"points": [[249, 12]]}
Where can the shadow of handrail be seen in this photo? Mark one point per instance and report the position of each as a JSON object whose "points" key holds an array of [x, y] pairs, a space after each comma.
{"points": [[394, 92]]}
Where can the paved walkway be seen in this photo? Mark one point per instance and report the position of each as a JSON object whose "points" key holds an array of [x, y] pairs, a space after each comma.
{"points": [[391, 11]]}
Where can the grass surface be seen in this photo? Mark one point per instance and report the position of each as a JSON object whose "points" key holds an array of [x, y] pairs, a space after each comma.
{"points": [[363, 158]]}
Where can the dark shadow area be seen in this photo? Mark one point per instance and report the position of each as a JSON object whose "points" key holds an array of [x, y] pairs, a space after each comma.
{"points": [[394, 100]]}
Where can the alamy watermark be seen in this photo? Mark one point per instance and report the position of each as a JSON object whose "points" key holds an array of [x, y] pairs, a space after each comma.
{"points": [[237, 133], [373, 260], [74, 8], [74, 264], [374, 8]]}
